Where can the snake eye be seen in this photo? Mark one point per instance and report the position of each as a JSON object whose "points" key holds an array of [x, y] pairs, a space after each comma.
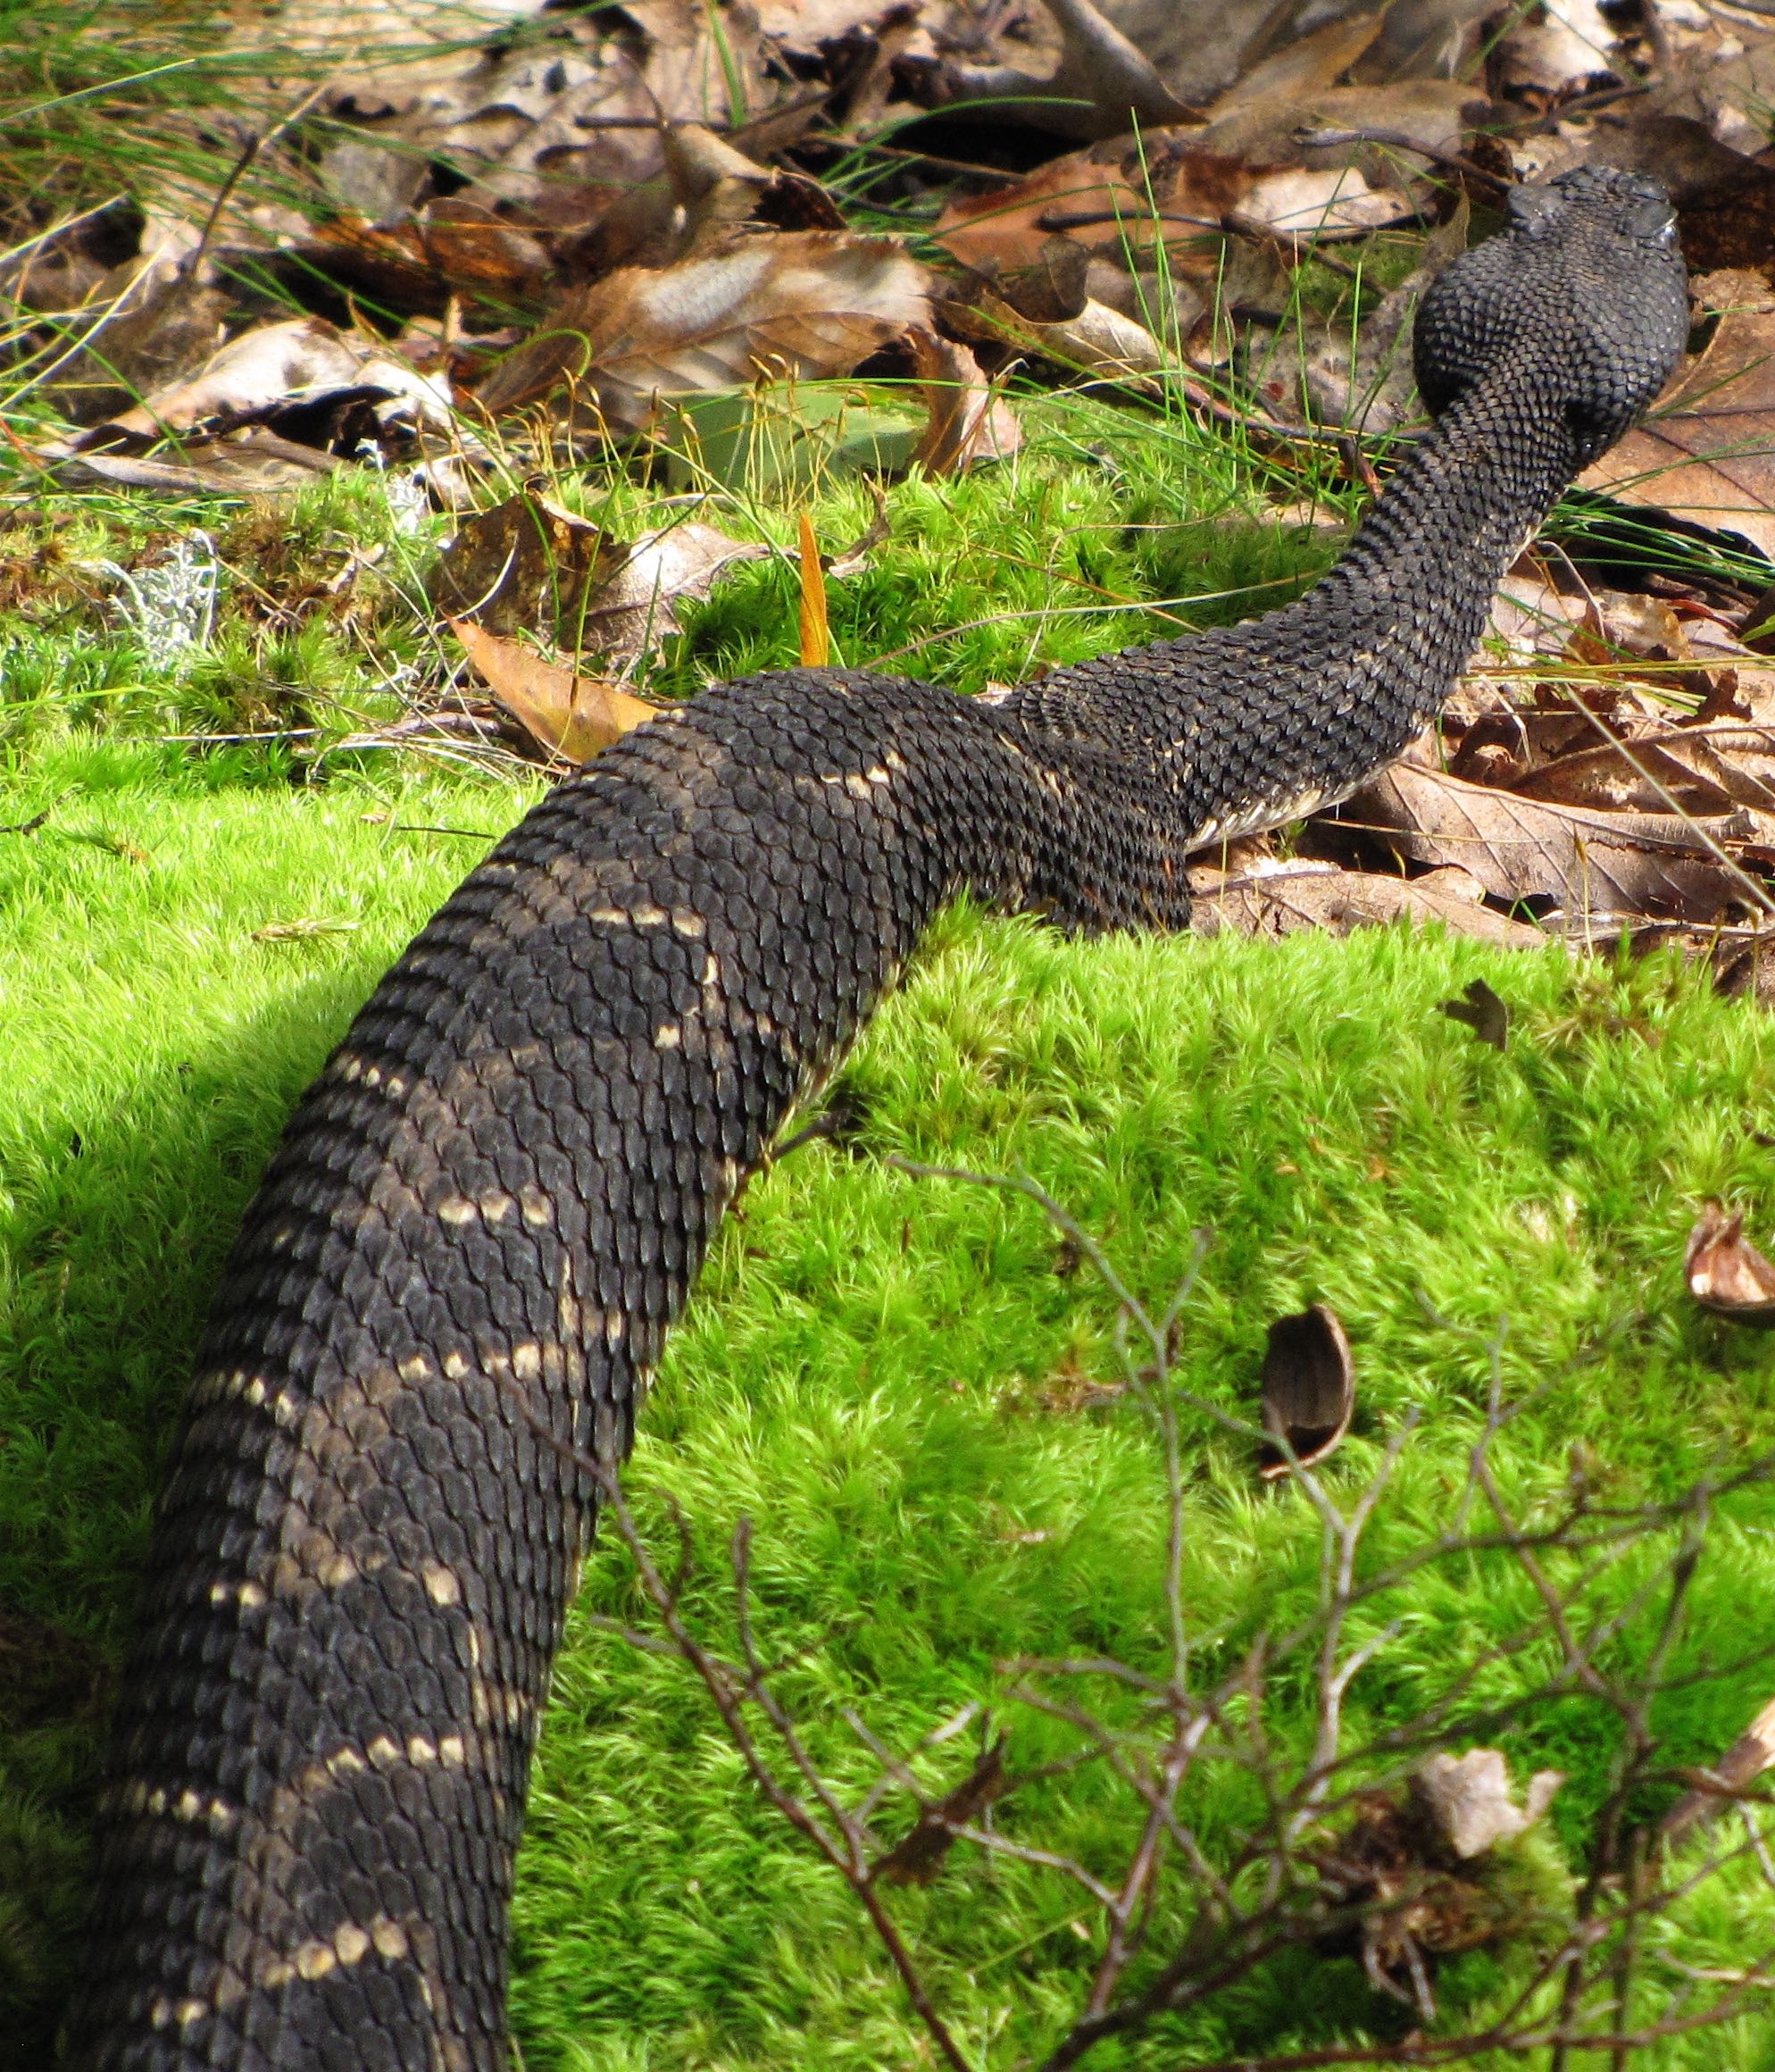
{"points": [[1532, 210], [1651, 222]]}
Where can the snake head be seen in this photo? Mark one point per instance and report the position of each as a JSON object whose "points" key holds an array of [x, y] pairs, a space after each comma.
{"points": [[1580, 302]]}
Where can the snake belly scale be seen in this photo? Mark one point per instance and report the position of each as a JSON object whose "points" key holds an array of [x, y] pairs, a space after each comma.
{"points": [[495, 1198]]}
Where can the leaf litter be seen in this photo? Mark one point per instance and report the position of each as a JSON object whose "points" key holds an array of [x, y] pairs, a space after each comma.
{"points": [[698, 236]]}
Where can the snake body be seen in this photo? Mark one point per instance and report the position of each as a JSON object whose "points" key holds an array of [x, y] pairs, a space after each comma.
{"points": [[493, 1202]]}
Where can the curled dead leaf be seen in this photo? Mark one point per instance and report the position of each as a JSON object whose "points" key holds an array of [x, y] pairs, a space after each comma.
{"points": [[529, 566], [1337, 203], [806, 303], [1093, 339], [1105, 80], [569, 716], [1303, 893], [631, 611], [1308, 1390], [970, 422], [1470, 1802], [523, 566], [304, 360], [1725, 1272]]}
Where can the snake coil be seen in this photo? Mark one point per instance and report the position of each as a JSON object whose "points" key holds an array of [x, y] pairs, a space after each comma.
{"points": [[497, 1196]]}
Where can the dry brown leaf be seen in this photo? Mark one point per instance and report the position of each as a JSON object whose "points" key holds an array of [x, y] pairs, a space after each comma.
{"points": [[252, 462], [301, 362], [803, 26], [1596, 865], [1312, 895], [1740, 759], [1560, 48], [571, 717], [1091, 339], [454, 248], [521, 567], [1741, 675], [970, 422], [630, 611], [806, 304], [1100, 199], [1435, 113], [1530, 618], [1725, 1272], [703, 65], [1308, 1390], [1707, 453], [1276, 89], [1633, 776], [529, 566], [1103, 84], [1337, 203], [427, 41]]}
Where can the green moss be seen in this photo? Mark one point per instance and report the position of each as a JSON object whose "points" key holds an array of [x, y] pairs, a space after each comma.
{"points": [[862, 1374], [879, 1372]]}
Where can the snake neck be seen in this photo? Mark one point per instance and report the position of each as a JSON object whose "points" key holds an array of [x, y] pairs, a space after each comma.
{"points": [[1252, 725], [1400, 613]]}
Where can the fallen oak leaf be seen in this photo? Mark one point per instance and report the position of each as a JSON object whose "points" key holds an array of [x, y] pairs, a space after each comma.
{"points": [[1592, 863], [571, 717], [1320, 895], [809, 303], [1724, 1272]]}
